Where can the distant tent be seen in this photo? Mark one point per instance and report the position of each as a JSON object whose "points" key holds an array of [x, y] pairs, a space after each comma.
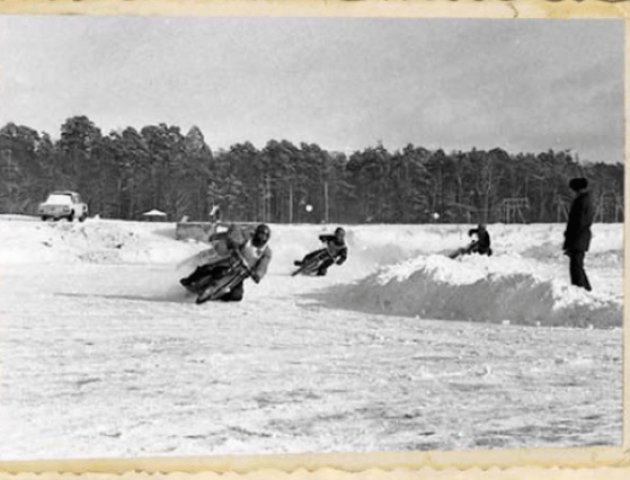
{"points": [[154, 215]]}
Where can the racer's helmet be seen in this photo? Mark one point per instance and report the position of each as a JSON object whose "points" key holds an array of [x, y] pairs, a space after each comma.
{"points": [[261, 235], [340, 233]]}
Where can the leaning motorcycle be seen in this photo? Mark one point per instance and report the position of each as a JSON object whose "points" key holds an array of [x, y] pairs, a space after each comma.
{"points": [[311, 266], [212, 288]]}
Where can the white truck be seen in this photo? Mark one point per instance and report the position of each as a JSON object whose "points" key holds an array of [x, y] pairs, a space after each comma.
{"points": [[63, 204]]}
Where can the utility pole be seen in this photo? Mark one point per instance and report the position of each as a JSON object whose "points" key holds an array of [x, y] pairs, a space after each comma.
{"points": [[263, 203], [268, 200], [326, 202], [290, 203]]}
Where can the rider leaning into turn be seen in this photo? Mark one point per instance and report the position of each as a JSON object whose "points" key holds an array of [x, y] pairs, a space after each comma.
{"points": [[335, 246], [253, 247], [482, 244]]}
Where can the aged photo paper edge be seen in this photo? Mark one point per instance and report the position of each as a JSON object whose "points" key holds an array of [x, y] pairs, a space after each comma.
{"points": [[592, 462]]}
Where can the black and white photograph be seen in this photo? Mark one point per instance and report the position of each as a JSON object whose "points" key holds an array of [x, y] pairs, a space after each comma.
{"points": [[268, 235]]}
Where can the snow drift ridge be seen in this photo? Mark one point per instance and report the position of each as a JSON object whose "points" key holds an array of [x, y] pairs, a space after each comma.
{"points": [[398, 270], [481, 289]]}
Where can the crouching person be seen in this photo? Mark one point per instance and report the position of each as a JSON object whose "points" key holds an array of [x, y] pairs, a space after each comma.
{"points": [[480, 243], [252, 246]]}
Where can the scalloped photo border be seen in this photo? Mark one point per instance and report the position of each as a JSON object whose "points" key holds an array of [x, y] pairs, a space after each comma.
{"points": [[544, 463]]}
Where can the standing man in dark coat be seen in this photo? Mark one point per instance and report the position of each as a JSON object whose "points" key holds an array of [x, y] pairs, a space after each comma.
{"points": [[577, 236]]}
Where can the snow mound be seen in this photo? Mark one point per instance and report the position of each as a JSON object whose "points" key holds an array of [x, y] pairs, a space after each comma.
{"points": [[390, 269], [505, 289], [93, 241]]}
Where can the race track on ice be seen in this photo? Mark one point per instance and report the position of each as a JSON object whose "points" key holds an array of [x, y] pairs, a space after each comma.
{"points": [[103, 354]]}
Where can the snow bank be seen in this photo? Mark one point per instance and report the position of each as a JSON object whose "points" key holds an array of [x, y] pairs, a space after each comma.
{"points": [[94, 241], [27, 239], [506, 289], [397, 269]]}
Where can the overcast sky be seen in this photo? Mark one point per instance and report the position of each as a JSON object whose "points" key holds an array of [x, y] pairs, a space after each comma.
{"points": [[343, 83]]}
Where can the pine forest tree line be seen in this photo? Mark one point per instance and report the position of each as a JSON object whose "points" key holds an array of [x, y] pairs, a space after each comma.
{"points": [[128, 172]]}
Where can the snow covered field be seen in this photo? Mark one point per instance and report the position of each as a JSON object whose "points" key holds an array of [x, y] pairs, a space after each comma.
{"points": [[103, 354]]}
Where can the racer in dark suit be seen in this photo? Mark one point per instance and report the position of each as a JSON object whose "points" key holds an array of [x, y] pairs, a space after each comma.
{"points": [[336, 248], [480, 245]]}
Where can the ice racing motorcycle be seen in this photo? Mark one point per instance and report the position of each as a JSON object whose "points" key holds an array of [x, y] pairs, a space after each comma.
{"points": [[213, 288], [311, 265]]}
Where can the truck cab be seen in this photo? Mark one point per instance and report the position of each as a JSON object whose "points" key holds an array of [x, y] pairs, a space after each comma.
{"points": [[63, 204]]}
